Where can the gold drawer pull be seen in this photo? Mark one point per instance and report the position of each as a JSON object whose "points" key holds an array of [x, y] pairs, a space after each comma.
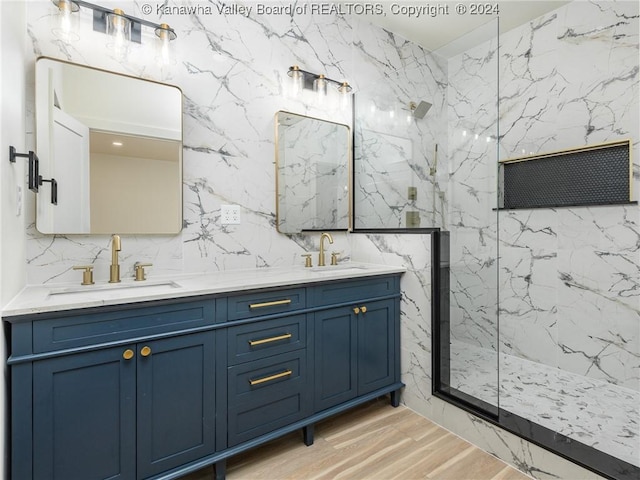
{"points": [[257, 381], [128, 354], [356, 310], [146, 351], [363, 309], [270, 304], [253, 343]]}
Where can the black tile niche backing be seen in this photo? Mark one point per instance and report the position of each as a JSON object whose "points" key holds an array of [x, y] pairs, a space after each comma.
{"points": [[597, 175]]}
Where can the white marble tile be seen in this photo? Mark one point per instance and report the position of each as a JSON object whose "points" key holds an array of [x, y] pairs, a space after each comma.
{"points": [[593, 412]]}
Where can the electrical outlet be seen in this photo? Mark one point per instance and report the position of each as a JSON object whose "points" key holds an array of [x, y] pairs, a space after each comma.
{"points": [[230, 214]]}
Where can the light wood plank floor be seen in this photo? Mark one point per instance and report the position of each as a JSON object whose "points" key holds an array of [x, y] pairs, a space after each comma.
{"points": [[372, 442]]}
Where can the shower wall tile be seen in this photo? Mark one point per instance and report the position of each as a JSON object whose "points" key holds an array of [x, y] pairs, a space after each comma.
{"points": [[568, 277]]}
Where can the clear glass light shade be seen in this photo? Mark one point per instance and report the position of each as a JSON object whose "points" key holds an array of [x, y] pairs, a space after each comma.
{"points": [[297, 80], [165, 49], [67, 22], [345, 95], [119, 32], [320, 85]]}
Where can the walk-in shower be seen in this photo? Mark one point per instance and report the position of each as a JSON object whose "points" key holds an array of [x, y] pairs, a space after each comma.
{"points": [[537, 308]]}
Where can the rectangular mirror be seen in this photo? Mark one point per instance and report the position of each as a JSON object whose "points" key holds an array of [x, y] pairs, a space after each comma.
{"points": [[114, 145], [313, 164]]}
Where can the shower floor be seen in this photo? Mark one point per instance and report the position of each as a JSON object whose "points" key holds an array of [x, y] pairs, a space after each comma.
{"points": [[593, 412]]}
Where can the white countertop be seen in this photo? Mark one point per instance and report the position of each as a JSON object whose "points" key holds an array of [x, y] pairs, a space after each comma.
{"points": [[49, 298]]}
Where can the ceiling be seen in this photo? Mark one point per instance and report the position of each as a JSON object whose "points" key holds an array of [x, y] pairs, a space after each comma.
{"points": [[450, 34]]}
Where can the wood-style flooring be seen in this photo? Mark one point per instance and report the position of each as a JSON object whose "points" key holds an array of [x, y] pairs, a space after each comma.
{"points": [[371, 442]]}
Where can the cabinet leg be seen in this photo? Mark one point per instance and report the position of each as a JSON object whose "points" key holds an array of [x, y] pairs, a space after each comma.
{"points": [[307, 433], [395, 398], [221, 470]]}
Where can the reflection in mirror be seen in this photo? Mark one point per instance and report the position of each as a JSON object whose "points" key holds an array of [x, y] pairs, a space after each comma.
{"points": [[398, 181], [114, 144], [312, 174]]}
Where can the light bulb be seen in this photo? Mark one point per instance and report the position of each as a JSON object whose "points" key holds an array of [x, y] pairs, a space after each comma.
{"points": [[345, 95], [66, 23], [119, 32], [320, 87], [165, 35], [297, 80]]}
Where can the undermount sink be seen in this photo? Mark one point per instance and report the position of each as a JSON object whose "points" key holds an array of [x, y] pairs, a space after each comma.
{"points": [[109, 289], [343, 268]]}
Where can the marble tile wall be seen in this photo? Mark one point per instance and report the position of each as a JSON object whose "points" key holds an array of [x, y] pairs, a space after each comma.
{"points": [[569, 291], [567, 279], [473, 130], [570, 277]]}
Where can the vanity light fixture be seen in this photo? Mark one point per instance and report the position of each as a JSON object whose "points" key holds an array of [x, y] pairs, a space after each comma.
{"points": [[316, 82], [121, 27]]}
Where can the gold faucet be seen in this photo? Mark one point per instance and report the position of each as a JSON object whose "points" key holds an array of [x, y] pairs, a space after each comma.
{"points": [[321, 254], [114, 271]]}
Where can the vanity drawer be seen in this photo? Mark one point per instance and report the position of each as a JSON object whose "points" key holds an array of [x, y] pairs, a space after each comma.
{"points": [[95, 328], [267, 394], [265, 303], [262, 339], [353, 290]]}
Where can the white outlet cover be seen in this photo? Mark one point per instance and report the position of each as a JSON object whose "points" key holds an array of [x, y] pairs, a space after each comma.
{"points": [[230, 214]]}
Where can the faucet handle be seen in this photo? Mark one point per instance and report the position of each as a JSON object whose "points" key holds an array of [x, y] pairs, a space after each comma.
{"points": [[87, 275], [334, 258], [140, 273], [307, 260]]}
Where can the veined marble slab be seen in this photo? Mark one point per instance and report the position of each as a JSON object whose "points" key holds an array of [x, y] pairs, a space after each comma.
{"points": [[41, 298], [591, 411]]}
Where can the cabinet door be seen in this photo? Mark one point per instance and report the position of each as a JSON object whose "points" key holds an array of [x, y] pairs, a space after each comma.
{"points": [[376, 351], [84, 416], [335, 357], [176, 401]]}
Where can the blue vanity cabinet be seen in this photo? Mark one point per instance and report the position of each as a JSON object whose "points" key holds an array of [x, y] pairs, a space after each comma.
{"points": [[356, 344], [156, 390], [137, 402], [267, 374], [84, 418], [92, 410], [354, 351], [176, 405]]}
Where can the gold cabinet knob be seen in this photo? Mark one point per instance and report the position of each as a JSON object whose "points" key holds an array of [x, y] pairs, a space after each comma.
{"points": [[356, 310], [146, 351], [128, 354], [363, 309]]}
